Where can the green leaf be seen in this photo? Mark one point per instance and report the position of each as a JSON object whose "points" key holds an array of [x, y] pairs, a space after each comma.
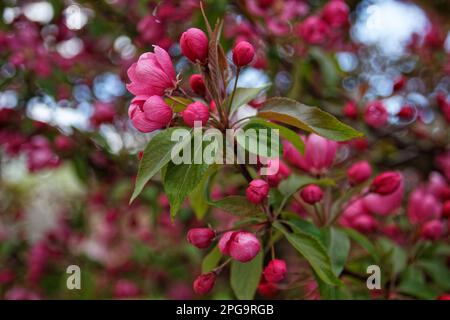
{"points": [[211, 260], [438, 271], [413, 283], [178, 105], [311, 119], [363, 242], [314, 252], [260, 140], [244, 277], [237, 205], [156, 155], [180, 180], [338, 245], [303, 226], [284, 132], [397, 255], [198, 196], [243, 96]]}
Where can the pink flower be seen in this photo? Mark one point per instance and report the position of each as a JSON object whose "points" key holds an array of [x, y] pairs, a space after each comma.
{"points": [[359, 172], [197, 84], [311, 194], [406, 112], [103, 113], [384, 204], [19, 293], [257, 191], [351, 110], [63, 143], [275, 271], [386, 183], [335, 13], [313, 30], [243, 53], [153, 74], [125, 289], [194, 45], [201, 237], [150, 114], [196, 111], [277, 170], [375, 114], [240, 245], [432, 230], [204, 283], [319, 154], [446, 209], [423, 206], [267, 289], [365, 223]]}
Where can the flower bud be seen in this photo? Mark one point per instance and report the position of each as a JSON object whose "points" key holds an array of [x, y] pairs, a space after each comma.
{"points": [[399, 83], [406, 112], [432, 230], [444, 296], [335, 13], [351, 110], [257, 191], [275, 271], [386, 183], [204, 283], [201, 237], [126, 289], [243, 53], [149, 115], [364, 223], [359, 172], [446, 209], [197, 84], [194, 45], [267, 289], [311, 194], [375, 114], [196, 111], [240, 245]]}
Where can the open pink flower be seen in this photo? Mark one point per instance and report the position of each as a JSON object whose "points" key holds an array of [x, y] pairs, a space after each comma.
{"points": [[152, 75], [319, 154]]}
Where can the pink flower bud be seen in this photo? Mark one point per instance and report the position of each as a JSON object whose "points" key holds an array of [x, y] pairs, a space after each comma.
{"points": [[423, 206], [351, 110], [63, 143], [257, 191], [335, 13], [446, 209], [406, 112], [275, 271], [201, 237], [204, 283], [399, 83], [313, 30], [243, 53], [196, 111], [194, 45], [311, 194], [432, 230], [444, 296], [364, 223], [267, 289], [126, 289], [149, 115], [197, 84], [359, 172], [386, 183], [375, 114], [240, 245]]}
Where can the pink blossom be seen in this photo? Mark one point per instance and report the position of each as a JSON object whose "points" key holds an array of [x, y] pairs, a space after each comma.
{"points": [[153, 74], [423, 206], [150, 114]]}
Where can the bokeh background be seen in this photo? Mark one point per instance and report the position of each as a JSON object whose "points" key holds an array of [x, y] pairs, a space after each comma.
{"points": [[68, 153]]}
